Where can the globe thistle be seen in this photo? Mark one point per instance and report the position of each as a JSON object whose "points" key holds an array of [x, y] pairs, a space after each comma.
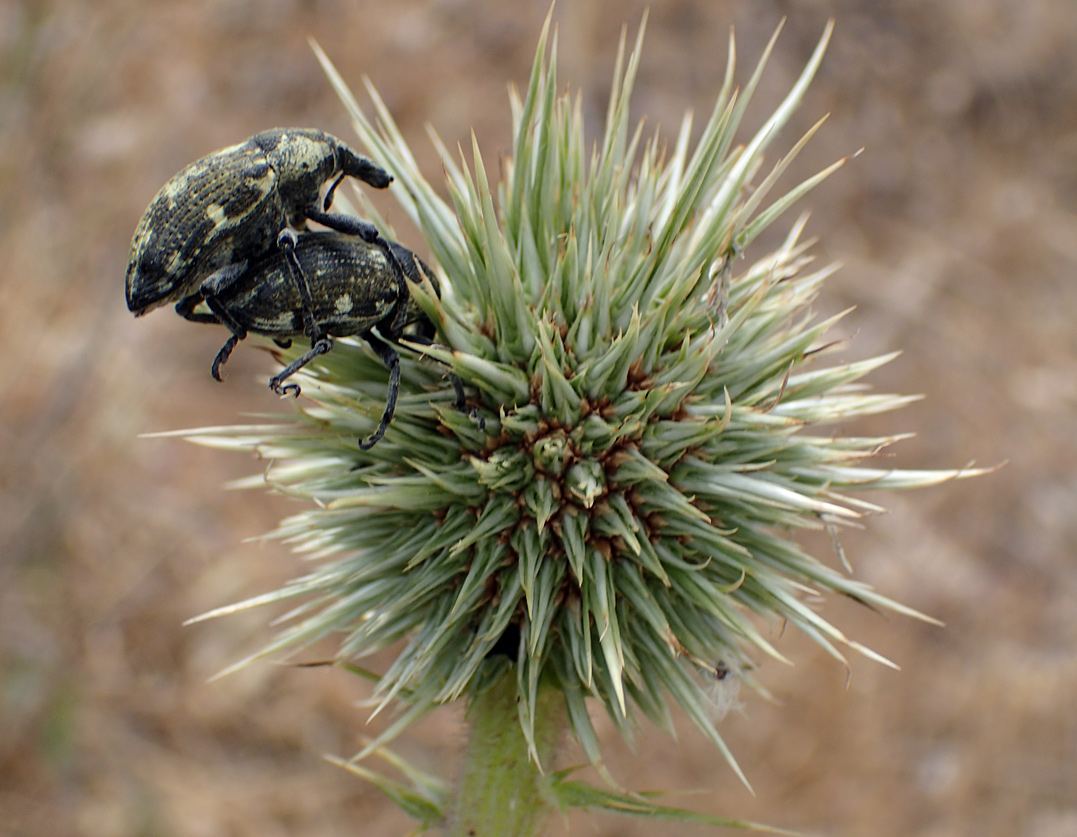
{"points": [[659, 423]]}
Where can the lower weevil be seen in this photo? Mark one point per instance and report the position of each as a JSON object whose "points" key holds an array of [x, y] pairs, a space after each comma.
{"points": [[356, 286]]}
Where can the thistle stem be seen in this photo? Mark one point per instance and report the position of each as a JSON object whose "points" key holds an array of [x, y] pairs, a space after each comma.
{"points": [[502, 791]]}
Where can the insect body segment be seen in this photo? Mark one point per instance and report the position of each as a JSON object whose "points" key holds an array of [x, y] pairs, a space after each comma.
{"points": [[355, 286], [228, 208]]}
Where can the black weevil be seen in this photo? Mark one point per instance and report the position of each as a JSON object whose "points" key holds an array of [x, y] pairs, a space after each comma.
{"points": [[220, 212], [356, 286]]}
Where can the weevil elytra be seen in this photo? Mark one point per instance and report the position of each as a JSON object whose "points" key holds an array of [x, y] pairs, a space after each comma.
{"points": [[356, 286], [220, 212]]}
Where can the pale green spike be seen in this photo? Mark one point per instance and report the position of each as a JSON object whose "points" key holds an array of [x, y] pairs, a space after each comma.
{"points": [[573, 534], [523, 119], [901, 479], [601, 595], [633, 467], [772, 212], [808, 383], [613, 156], [829, 409], [498, 515], [418, 495], [616, 520], [565, 401], [540, 501], [609, 372], [529, 550], [550, 578], [575, 630], [506, 383], [506, 297], [755, 200]]}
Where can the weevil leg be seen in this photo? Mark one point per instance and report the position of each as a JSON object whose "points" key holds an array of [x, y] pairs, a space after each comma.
{"points": [[226, 319], [391, 360], [348, 224], [223, 278], [286, 241], [397, 317], [283, 342], [222, 357], [318, 347], [185, 308], [460, 401], [328, 202]]}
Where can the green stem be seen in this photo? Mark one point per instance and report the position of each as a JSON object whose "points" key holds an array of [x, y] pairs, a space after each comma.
{"points": [[502, 792]]}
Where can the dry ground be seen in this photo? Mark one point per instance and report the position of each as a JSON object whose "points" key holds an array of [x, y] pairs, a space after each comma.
{"points": [[958, 230]]}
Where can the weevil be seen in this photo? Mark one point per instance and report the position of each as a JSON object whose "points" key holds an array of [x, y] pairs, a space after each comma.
{"points": [[356, 286], [211, 219]]}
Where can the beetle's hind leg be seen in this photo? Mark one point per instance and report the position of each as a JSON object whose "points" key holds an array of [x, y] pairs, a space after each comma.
{"points": [[391, 360], [318, 347]]}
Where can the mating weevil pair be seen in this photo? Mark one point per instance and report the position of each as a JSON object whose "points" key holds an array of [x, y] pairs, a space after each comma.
{"points": [[223, 231]]}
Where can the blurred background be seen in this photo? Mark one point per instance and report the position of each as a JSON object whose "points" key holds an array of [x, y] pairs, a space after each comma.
{"points": [[957, 228]]}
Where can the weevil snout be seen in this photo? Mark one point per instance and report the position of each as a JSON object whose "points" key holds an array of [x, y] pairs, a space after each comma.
{"points": [[357, 166]]}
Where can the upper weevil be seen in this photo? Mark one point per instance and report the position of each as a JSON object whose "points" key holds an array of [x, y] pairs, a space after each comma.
{"points": [[232, 206]]}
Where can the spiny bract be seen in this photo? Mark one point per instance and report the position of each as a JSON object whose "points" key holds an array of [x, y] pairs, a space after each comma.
{"points": [[622, 523]]}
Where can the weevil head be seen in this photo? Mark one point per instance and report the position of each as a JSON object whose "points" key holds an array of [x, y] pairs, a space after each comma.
{"points": [[414, 269], [303, 158], [412, 265]]}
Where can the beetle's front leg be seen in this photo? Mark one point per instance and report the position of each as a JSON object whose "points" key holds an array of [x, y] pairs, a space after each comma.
{"points": [[328, 202], [185, 308], [391, 360], [347, 224], [318, 347], [226, 319]]}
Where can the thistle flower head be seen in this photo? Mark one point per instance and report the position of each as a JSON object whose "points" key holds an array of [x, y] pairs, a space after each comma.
{"points": [[652, 391]]}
